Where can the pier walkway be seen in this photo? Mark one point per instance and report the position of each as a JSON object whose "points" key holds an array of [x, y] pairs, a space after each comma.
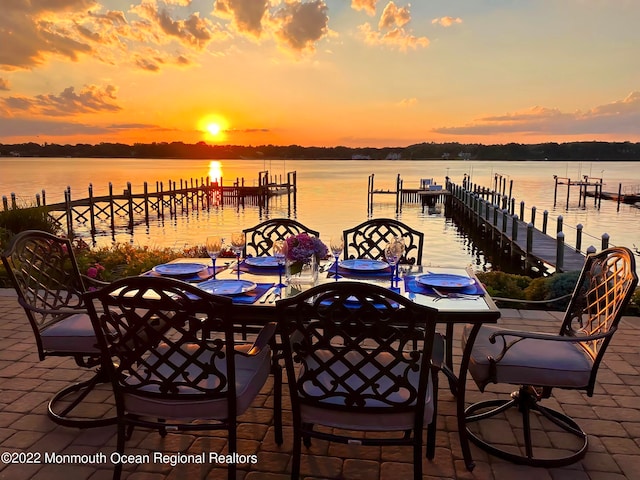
{"points": [[518, 237], [611, 418]]}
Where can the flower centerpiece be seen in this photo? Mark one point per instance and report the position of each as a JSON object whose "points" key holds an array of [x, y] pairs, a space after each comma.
{"points": [[303, 254]]}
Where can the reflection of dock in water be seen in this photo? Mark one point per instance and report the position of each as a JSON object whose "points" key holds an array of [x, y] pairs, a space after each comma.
{"points": [[428, 193]]}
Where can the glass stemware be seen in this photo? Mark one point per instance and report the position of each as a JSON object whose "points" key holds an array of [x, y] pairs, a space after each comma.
{"points": [[214, 247], [403, 248], [237, 244], [393, 253], [280, 253], [336, 244]]}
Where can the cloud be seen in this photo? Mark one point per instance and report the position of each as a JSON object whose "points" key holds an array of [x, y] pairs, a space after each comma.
{"points": [[90, 99], [34, 35], [398, 38], [29, 127], [391, 30], [446, 21], [4, 84], [369, 6], [246, 15], [299, 25], [193, 31], [393, 17], [407, 102], [38, 30], [617, 117], [247, 130]]}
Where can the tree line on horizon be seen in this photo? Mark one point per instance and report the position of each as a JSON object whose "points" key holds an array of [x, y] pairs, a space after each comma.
{"points": [[593, 150]]}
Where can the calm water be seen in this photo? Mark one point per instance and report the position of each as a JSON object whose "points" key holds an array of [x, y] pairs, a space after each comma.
{"points": [[332, 195]]}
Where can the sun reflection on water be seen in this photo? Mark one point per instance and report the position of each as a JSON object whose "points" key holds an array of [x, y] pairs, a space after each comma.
{"points": [[215, 171]]}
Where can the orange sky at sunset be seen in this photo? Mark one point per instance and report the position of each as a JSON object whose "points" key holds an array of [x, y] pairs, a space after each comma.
{"points": [[319, 72]]}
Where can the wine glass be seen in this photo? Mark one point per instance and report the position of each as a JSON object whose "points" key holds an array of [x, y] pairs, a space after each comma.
{"points": [[214, 247], [402, 246], [336, 244], [280, 249], [393, 252], [237, 244]]}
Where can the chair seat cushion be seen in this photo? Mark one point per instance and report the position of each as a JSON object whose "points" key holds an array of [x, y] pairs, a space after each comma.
{"points": [[73, 334], [530, 361], [251, 374], [356, 418]]}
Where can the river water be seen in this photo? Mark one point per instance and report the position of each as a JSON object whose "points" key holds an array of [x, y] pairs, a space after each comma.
{"points": [[332, 196]]}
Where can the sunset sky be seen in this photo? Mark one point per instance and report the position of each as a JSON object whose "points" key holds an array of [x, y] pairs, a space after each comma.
{"points": [[319, 73]]}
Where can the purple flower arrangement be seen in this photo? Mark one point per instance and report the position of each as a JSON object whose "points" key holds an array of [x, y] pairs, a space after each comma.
{"points": [[302, 247]]}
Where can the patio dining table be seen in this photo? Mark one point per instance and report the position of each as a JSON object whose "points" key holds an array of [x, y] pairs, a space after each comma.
{"points": [[470, 304]]}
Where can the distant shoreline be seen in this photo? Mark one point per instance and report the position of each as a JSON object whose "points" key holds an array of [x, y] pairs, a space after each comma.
{"points": [[573, 151]]}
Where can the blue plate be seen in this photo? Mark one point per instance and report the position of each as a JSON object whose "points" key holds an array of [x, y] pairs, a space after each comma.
{"points": [[227, 287], [364, 265], [266, 262], [179, 269], [445, 280]]}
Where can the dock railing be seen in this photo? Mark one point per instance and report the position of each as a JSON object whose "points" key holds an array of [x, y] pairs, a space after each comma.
{"points": [[495, 214], [176, 199]]}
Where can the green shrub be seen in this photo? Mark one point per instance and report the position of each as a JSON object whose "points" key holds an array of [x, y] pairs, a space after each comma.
{"points": [[17, 220], [500, 284], [124, 260]]}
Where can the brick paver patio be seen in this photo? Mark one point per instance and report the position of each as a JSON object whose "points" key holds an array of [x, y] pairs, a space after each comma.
{"points": [[611, 417]]}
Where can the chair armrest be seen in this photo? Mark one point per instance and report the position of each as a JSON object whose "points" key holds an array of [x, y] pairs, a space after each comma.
{"points": [[263, 339], [52, 311], [549, 336], [520, 335], [92, 282]]}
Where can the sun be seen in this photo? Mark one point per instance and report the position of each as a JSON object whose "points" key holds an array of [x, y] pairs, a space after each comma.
{"points": [[213, 128]]}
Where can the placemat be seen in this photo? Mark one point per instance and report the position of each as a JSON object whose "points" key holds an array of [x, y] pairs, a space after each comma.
{"points": [[253, 295]]}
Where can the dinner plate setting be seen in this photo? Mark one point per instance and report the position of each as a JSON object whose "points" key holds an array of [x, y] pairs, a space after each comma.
{"points": [[179, 269], [227, 287], [444, 280], [264, 262], [363, 265]]}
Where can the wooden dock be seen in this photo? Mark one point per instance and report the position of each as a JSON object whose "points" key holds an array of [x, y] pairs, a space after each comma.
{"points": [[427, 193], [177, 199], [494, 215]]}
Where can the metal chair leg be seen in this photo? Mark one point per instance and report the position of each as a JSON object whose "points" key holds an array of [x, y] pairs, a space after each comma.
{"points": [[526, 402], [79, 391]]}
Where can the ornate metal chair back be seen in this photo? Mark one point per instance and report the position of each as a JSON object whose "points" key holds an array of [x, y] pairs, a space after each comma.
{"points": [[260, 238], [604, 288], [45, 275], [158, 332], [361, 348], [369, 239]]}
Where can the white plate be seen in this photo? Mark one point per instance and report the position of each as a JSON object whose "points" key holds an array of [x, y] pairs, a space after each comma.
{"points": [[179, 269], [445, 280], [227, 287], [267, 262], [364, 265]]}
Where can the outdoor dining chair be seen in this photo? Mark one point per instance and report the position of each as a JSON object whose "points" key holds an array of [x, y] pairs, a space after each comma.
{"points": [[45, 275], [260, 238], [169, 350], [358, 358], [540, 362], [369, 239]]}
